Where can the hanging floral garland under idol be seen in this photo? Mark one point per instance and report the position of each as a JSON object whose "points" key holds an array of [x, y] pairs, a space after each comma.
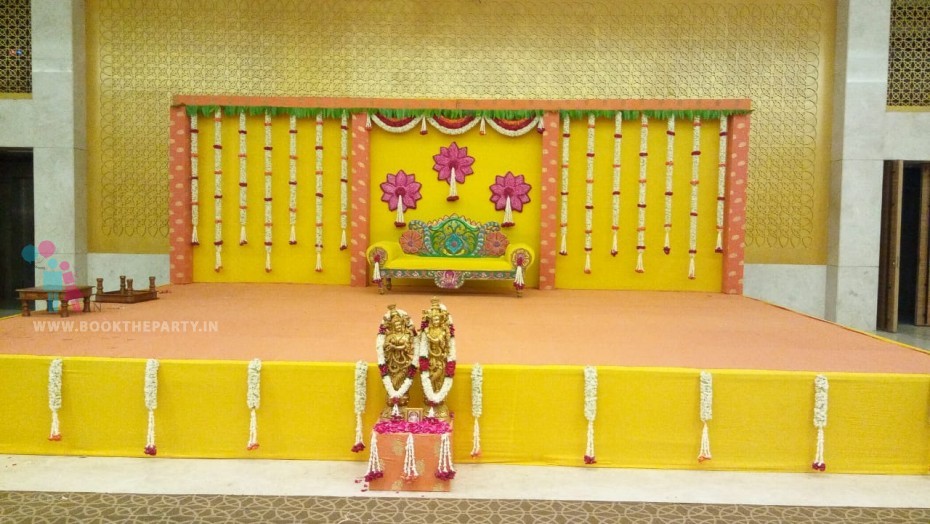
{"points": [[218, 189], [319, 192], [445, 470], [401, 191], [54, 397], [395, 396], [695, 171], [268, 222], [253, 400], [343, 178], [151, 403], [435, 398], [453, 164], [590, 410], [361, 393], [669, 172], [292, 179], [195, 181], [477, 392], [375, 467], [589, 195], [410, 472], [615, 192], [243, 180], [563, 214], [721, 182], [821, 388], [707, 413], [641, 205], [508, 193]]}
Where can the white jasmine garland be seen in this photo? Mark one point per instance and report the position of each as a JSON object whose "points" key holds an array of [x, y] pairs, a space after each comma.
{"points": [[253, 400], [54, 397], [707, 401], [400, 129], [446, 469], [218, 189], [477, 390], [435, 397], [268, 222], [533, 124], [453, 131], [721, 182], [589, 195], [641, 219], [615, 205], [195, 181], [151, 402], [292, 179], [590, 409], [243, 180], [821, 388], [410, 460], [361, 389], [563, 216], [669, 172], [375, 468], [319, 192], [343, 177], [695, 173]]}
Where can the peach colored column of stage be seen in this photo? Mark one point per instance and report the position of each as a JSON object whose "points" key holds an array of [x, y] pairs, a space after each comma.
{"points": [[549, 191], [179, 198], [734, 226], [358, 206]]}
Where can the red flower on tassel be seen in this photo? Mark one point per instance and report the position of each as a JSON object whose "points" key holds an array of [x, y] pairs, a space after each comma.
{"points": [[412, 370], [445, 475], [252, 447], [383, 368], [55, 438], [450, 368], [424, 364], [703, 458], [150, 450], [373, 475], [819, 466], [358, 447], [589, 459]]}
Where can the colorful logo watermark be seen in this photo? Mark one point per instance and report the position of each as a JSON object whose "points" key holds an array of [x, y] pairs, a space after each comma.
{"points": [[57, 275]]}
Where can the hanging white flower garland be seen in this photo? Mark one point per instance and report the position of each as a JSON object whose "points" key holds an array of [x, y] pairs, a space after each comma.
{"points": [[292, 179], [695, 173], [375, 467], [218, 189], [615, 192], [477, 390], [454, 130], [319, 193], [151, 403], [195, 181], [641, 205], [253, 400], [343, 178], [821, 388], [243, 180], [535, 123], [434, 398], [410, 473], [54, 397], [669, 173], [394, 395], [590, 410], [268, 222], [721, 182], [589, 195], [563, 222], [707, 413], [396, 130], [445, 470], [361, 390]]}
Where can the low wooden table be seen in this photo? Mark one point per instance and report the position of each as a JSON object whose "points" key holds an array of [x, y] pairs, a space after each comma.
{"points": [[57, 293]]}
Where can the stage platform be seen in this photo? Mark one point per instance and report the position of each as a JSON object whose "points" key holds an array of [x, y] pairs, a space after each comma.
{"points": [[649, 348]]}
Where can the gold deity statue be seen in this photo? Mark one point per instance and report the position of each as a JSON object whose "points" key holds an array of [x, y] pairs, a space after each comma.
{"points": [[397, 351], [438, 345]]}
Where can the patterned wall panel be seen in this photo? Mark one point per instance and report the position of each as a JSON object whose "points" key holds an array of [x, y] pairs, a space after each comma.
{"points": [[776, 52], [15, 47], [908, 63]]}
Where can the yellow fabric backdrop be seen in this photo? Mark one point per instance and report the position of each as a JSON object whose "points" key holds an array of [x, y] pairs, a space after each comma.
{"points": [[647, 417]]}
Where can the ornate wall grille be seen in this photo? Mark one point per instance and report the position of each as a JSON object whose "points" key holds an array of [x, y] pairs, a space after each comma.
{"points": [[15, 47], [909, 54]]}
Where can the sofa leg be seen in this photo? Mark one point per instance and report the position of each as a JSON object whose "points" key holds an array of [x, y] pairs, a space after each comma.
{"points": [[389, 284], [381, 287]]}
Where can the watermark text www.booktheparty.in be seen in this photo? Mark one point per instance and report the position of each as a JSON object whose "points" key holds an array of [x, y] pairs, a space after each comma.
{"points": [[125, 326]]}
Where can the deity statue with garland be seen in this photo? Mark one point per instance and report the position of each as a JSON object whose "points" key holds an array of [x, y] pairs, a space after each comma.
{"points": [[396, 344], [437, 358]]}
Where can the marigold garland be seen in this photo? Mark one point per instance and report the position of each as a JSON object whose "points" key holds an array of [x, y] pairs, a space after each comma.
{"points": [[343, 177], [195, 181], [641, 220], [292, 179], [243, 180], [707, 413], [589, 195], [218, 189], [695, 173], [821, 390], [615, 190], [253, 400], [563, 217], [319, 193], [361, 391], [151, 403], [477, 391], [721, 182], [590, 410], [669, 174], [54, 397], [268, 222]]}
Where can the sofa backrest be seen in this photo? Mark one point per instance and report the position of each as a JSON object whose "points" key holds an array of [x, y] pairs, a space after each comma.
{"points": [[454, 236]]}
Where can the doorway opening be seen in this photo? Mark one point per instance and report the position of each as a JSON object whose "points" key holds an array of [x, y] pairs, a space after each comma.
{"points": [[17, 226]]}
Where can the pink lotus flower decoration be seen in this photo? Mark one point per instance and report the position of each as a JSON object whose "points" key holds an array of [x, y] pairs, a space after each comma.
{"points": [[509, 193], [453, 164], [401, 191]]}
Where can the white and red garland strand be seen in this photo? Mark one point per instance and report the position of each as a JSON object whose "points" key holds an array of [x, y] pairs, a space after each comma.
{"points": [[253, 400], [292, 179], [477, 391], [821, 388], [218, 189], [243, 180], [721, 182], [446, 469], [373, 117], [436, 122], [615, 191], [319, 193], [410, 473], [151, 403], [54, 397], [641, 204], [590, 410], [589, 195], [707, 413], [695, 173], [563, 216], [669, 180], [375, 468], [268, 222], [343, 178], [361, 394], [435, 398], [534, 123], [195, 181]]}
